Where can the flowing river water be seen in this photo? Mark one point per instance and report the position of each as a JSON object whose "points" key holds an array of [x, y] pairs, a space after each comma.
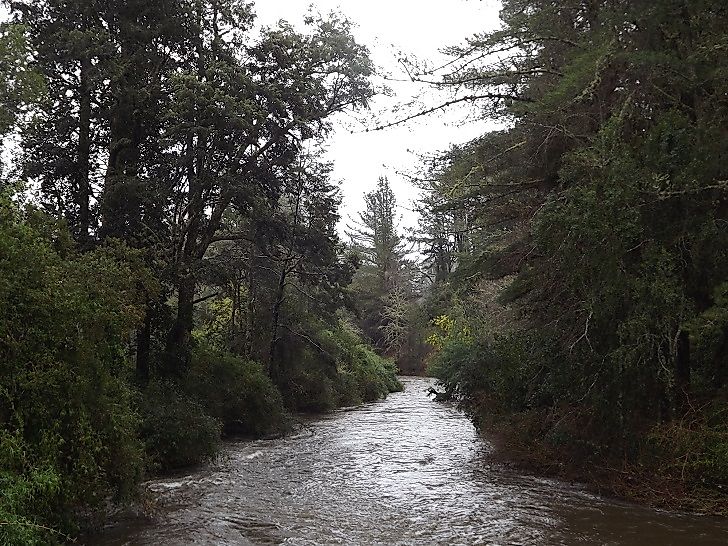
{"points": [[406, 470]]}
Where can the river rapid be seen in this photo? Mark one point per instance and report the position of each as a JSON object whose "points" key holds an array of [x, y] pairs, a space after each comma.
{"points": [[405, 470]]}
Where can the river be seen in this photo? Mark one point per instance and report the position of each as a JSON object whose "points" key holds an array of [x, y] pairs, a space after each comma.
{"points": [[405, 470]]}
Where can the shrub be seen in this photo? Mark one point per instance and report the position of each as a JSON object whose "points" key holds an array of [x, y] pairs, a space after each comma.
{"points": [[176, 429], [344, 372], [506, 370], [68, 434], [28, 490], [374, 376], [312, 385], [237, 392], [696, 451]]}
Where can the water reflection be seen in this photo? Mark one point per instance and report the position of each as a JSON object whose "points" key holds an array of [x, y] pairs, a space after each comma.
{"points": [[402, 471]]}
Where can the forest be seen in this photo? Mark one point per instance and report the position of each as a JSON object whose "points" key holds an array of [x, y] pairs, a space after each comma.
{"points": [[581, 253], [172, 272]]}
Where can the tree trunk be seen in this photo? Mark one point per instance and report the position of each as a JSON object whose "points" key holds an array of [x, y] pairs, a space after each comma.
{"points": [[682, 371], [143, 349], [179, 349], [275, 319], [250, 318], [122, 204], [281, 290], [83, 167]]}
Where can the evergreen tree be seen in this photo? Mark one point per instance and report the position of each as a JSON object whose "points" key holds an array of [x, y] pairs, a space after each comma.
{"points": [[383, 285], [375, 234], [600, 209]]}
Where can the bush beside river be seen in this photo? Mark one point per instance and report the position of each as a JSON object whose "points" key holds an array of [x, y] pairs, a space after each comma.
{"points": [[77, 428], [680, 464]]}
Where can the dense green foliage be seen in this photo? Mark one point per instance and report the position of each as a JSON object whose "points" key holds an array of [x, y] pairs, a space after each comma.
{"points": [[68, 433], [176, 429], [585, 245], [170, 270], [20, 85], [236, 391]]}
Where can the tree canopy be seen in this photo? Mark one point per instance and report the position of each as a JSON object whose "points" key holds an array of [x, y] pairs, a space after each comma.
{"points": [[593, 225], [168, 226]]}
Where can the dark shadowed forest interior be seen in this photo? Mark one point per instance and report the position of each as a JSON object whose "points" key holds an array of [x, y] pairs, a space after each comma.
{"points": [[176, 272]]}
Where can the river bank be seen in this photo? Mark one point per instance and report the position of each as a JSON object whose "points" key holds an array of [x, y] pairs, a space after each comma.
{"points": [[247, 412], [520, 442], [404, 470]]}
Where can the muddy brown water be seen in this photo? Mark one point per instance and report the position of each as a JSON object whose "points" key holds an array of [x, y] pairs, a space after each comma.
{"points": [[405, 470]]}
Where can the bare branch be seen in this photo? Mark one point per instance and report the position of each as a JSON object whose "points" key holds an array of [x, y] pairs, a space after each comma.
{"points": [[447, 104]]}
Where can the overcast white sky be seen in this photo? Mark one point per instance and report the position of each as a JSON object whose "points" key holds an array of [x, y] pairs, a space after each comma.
{"points": [[419, 27]]}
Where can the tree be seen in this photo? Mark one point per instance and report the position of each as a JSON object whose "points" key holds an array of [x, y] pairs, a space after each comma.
{"points": [[62, 144], [166, 115], [375, 234], [234, 129], [192, 224], [290, 245], [384, 284], [21, 86], [599, 206]]}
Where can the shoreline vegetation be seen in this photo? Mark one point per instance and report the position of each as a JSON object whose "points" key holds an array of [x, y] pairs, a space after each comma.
{"points": [[580, 253], [82, 431], [674, 466], [170, 267], [647, 484], [171, 270]]}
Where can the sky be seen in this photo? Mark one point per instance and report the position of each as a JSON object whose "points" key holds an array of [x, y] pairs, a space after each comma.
{"points": [[415, 27]]}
